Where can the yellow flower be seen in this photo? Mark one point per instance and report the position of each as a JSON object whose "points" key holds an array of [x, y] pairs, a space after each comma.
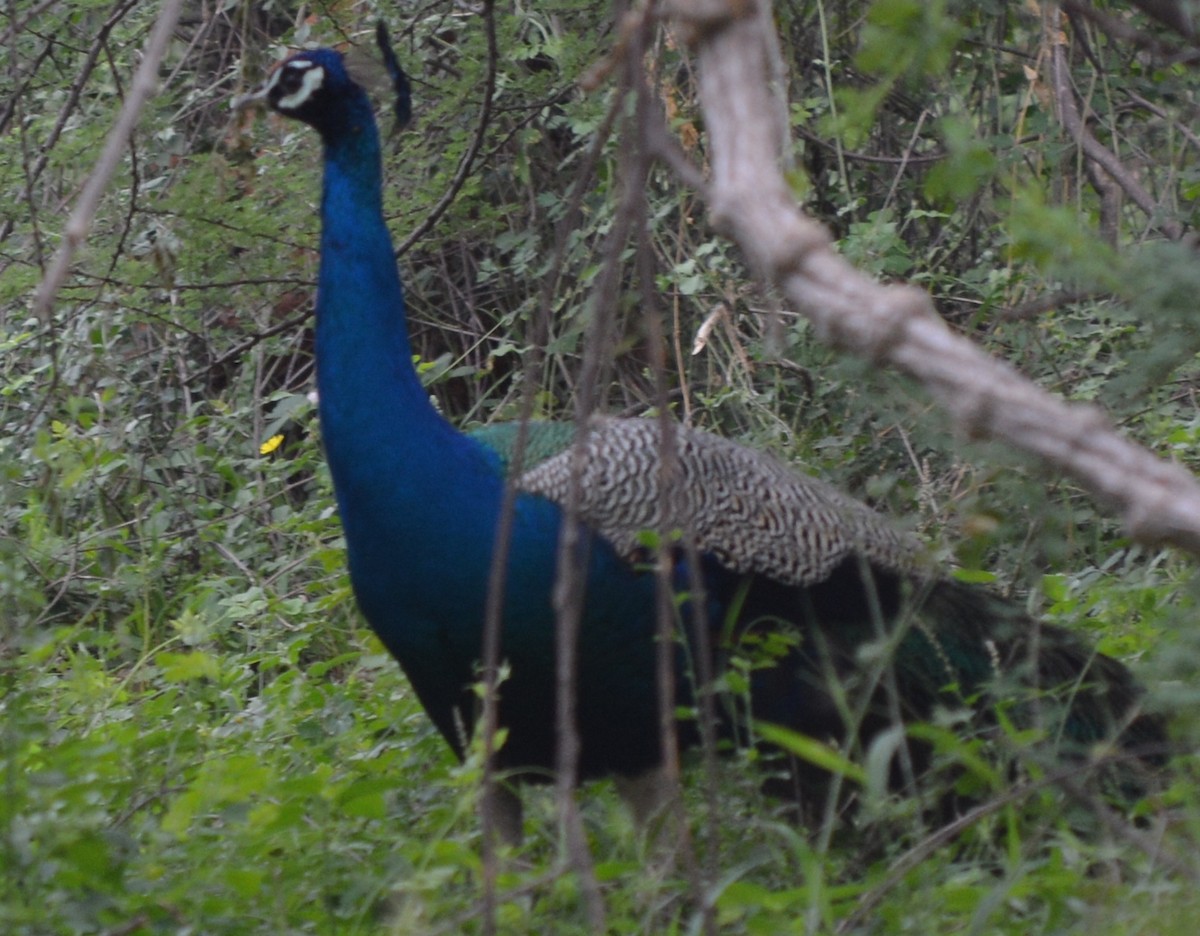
{"points": [[271, 444]]}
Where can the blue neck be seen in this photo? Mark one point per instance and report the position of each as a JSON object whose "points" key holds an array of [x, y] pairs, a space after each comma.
{"points": [[404, 478], [362, 332]]}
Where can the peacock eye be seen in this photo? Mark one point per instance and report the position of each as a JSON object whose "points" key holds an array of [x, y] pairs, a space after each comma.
{"points": [[290, 81], [294, 83]]}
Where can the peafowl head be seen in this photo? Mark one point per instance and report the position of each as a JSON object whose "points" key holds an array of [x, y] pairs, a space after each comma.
{"points": [[321, 87]]}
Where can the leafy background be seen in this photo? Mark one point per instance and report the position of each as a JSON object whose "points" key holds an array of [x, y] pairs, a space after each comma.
{"points": [[198, 734]]}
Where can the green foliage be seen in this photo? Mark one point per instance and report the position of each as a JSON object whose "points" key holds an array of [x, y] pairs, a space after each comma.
{"points": [[196, 735], [902, 41], [969, 164]]}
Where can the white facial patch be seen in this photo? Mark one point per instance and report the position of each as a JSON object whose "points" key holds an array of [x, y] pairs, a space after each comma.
{"points": [[312, 80]]}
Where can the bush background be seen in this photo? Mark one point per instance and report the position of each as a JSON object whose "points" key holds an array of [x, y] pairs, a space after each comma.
{"points": [[198, 734]]}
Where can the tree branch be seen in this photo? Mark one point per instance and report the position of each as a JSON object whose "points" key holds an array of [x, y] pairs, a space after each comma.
{"points": [[141, 89], [1158, 501], [1093, 149], [1120, 29]]}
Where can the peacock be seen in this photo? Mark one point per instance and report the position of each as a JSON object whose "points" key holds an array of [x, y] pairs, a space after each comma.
{"points": [[815, 583]]}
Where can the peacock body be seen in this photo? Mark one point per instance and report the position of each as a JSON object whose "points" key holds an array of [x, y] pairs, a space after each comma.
{"points": [[420, 504]]}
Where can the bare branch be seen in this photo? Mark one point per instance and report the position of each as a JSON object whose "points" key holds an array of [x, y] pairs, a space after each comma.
{"points": [[1121, 30], [1159, 501], [140, 90], [1174, 15], [463, 171], [1093, 149]]}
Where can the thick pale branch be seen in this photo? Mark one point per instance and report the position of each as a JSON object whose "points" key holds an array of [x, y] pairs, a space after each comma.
{"points": [[749, 200]]}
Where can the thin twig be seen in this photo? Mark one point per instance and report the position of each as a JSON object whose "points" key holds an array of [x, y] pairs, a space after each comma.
{"points": [[46, 146], [941, 837], [649, 122], [467, 162], [497, 572], [1127, 35], [141, 89], [1093, 149], [18, 26]]}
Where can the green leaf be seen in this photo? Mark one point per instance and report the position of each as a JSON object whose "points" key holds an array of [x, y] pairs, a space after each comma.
{"points": [[815, 752], [366, 799], [183, 667], [974, 576]]}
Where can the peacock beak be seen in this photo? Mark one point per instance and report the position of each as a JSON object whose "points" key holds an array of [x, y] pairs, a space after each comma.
{"points": [[251, 98]]}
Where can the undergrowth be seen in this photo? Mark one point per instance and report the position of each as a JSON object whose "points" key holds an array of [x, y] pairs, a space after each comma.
{"points": [[199, 735]]}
